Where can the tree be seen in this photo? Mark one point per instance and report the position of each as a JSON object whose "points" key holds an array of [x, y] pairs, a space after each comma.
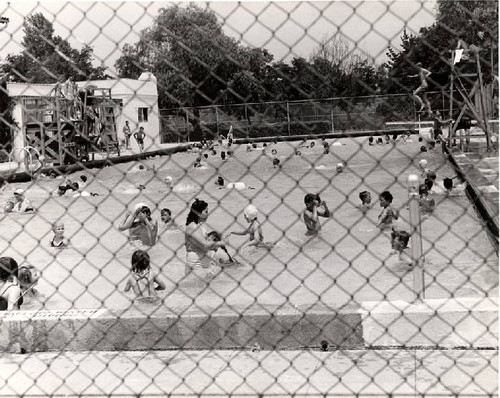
{"points": [[194, 62], [47, 58], [6, 118]]}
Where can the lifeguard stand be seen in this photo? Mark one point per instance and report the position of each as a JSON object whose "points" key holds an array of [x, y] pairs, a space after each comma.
{"points": [[475, 97], [69, 130], [100, 119]]}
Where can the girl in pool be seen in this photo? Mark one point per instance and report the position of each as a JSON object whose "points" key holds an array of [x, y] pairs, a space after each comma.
{"points": [[10, 290], [254, 229], [199, 249], [144, 281], [59, 240], [388, 215], [142, 228]]}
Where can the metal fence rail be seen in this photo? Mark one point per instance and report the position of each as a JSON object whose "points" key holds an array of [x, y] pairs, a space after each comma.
{"points": [[240, 199]]}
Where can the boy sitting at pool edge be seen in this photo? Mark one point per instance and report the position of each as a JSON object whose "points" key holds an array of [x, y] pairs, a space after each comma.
{"points": [[312, 213]]}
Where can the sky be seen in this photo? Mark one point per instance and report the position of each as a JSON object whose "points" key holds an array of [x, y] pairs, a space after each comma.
{"points": [[286, 29]]}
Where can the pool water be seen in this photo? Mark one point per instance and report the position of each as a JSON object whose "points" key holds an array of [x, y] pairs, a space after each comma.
{"points": [[348, 263]]}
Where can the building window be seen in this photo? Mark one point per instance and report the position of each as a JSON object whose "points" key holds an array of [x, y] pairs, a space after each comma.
{"points": [[143, 114]]}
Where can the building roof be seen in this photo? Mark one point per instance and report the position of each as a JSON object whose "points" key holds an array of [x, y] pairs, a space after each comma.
{"points": [[119, 88]]}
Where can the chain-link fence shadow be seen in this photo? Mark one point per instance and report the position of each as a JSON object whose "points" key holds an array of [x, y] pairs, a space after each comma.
{"points": [[249, 199]]}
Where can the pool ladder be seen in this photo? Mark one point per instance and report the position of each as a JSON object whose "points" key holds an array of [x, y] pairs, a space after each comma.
{"points": [[28, 160]]}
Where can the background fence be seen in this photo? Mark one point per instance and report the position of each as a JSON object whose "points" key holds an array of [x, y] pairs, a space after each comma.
{"points": [[352, 262]]}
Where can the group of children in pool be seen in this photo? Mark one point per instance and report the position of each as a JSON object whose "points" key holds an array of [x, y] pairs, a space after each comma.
{"points": [[144, 282]]}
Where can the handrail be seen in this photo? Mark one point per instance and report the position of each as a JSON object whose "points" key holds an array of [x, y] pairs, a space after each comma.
{"points": [[27, 148]]}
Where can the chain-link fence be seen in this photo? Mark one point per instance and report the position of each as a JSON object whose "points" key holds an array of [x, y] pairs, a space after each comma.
{"points": [[285, 199]]}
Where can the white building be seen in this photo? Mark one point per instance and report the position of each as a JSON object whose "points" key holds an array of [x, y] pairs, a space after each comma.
{"points": [[137, 99]]}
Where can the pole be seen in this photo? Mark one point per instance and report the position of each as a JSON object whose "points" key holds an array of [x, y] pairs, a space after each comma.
{"points": [[331, 115], [217, 120], [288, 117], [416, 237], [482, 99]]}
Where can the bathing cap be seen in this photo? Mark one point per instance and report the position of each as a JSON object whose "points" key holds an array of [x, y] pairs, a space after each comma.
{"points": [[140, 205], [423, 163], [251, 212], [19, 191], [168, 179]]}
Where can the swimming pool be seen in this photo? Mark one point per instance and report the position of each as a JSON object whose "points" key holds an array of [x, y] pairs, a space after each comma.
{"points": [[350, 262]]}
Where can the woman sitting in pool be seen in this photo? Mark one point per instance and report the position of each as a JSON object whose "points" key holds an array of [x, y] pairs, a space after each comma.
{"points": [[142, 229], [199, 249]]}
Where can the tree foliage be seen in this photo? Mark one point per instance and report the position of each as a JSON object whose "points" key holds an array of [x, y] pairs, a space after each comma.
{"points": [[194, 61], [47, 57], [456, 19]]}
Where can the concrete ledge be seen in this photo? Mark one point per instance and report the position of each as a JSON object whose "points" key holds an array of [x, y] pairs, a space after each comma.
{"points": [[470, 323], [477, 190], [466, 322], [157, 328]]}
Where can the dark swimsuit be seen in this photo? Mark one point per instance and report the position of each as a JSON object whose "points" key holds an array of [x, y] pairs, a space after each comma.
{"points": [[4, 302]]}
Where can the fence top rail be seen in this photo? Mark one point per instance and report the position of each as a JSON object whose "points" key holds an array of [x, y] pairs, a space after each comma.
{"points": [[303, 101]]}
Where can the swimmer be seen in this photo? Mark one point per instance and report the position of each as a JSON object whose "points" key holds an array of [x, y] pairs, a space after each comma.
{"points": [[83, 181], [166, 219], [254, 229], [339, 167], [388, 214], [366, 201], [220, 182], [276, 162], [197, 162], [399, 245], [427, 205], [144, 281], [214, 236], [274, 151], [249, 147], [312, 213], [28, 277], [142, 228], [370, 141], [58, 239], [21, 204], [168, 182], [8, 206], [422, 165]]}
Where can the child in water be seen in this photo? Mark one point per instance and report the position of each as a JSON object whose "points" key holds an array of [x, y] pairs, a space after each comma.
{"points": [[399, 245], [427, 205], [366, 201], [254, 229], [388, 214], [312, 213], [59, 240], [144, 281]]}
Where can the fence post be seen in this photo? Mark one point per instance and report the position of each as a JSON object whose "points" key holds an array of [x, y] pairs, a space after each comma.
{"points": [[416, 237], [187, 125], [217, 120], [288, 117], [331, 115]]}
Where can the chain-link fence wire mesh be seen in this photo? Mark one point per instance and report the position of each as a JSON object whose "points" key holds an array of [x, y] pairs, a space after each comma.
{"points": [[199, 192]]}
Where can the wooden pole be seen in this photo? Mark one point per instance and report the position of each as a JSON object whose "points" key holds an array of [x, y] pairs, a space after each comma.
{"points": [[482, 98]]}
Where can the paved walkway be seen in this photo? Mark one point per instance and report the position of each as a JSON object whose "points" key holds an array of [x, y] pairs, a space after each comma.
{"points": [[249, 373]]}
